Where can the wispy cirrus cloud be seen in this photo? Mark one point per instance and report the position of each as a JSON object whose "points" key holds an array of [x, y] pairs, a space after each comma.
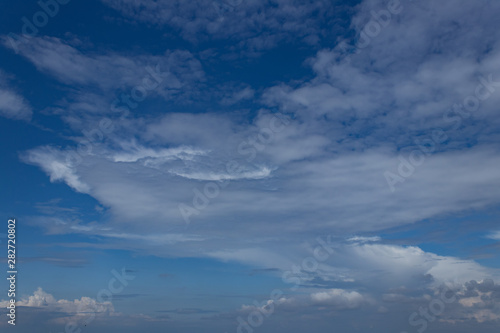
{"points": [[12, 104], [278, 21], [111, 70], [494, 235]]}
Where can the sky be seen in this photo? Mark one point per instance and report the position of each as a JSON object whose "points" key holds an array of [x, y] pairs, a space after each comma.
{"points": [[251, 166]]}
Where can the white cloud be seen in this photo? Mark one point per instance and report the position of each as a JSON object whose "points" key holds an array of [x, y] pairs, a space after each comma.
{"points": [[347, 192], [54, 163], [260, 173], [172, 70], [350, 123], [324, 301], [270, 304], [12, 105], [194, 163], [339, 298], [409, 264], [362, 239], [494, 235], [162, 154], [252, 256], [78, 307], [427, 68], [243, 94], [156, 239]]}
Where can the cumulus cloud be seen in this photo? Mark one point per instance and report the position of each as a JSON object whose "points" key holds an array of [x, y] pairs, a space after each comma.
{"points": [[46, 302], [338, 298], [414, 266], [425, 80], [476, 300], [328, 300]]}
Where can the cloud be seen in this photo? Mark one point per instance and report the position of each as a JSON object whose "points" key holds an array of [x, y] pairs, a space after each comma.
{"points": [[62, 262], [243, 94], [338, 298], [290, 303], [353, 118], [253, 256], [424, 75], [188, 311], [54, 163], [305, 188], [193, 166], [390, 264], [325, 169], [156, 239], [171, 71], [321, 303], [494, 235], [44, 310], [13, 105], [350, 126], [362, 239], [78, 307], [151, 155], [477, 301], [202, 19]]}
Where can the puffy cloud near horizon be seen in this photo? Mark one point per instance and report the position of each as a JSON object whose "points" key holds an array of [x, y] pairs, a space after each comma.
{"points": [[468, 303], [338, 298], [78, 307]]}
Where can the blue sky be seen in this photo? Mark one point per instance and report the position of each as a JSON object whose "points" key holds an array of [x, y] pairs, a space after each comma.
{"points": [[252, 166]]}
